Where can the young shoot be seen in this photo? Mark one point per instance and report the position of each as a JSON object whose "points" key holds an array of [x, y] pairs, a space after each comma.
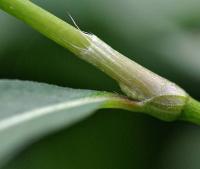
{"points": [[158, 96]]}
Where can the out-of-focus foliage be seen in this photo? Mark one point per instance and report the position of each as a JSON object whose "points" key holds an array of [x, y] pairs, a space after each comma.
{"points": [[161, 35]]}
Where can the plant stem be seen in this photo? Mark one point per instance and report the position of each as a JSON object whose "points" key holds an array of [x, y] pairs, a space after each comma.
{"points": [[136, 81], [191, 111], [46, 23], [154, 95]]}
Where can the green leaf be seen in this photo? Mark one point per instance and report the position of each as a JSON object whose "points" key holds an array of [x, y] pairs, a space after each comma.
{"points": [[30, 110]]}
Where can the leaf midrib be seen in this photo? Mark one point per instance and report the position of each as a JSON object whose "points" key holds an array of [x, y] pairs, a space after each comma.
{"points": [[42, 111]]}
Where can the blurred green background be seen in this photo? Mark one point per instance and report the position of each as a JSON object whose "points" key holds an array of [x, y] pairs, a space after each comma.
{"points": [[163, 36]]}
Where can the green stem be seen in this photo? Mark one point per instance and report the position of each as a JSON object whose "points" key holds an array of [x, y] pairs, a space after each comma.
{"points": [[46, 23], [87, 47], [191, 111], [155, 95], [136, 81]]}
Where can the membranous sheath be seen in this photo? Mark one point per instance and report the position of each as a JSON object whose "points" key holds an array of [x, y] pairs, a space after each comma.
{"points": [[137, 82]]}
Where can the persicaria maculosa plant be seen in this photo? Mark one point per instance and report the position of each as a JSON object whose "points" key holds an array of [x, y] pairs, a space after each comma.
{"points": [[146, 91]]}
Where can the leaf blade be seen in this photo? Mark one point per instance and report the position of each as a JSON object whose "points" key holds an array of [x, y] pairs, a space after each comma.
{"points": [[31, 110], [21, 121]]}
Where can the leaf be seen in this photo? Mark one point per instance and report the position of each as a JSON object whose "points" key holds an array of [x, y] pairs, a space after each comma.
{"points": [[30, 110]]}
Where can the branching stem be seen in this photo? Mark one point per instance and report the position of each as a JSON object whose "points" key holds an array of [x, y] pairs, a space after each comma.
{"points": [[155, 95]]}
